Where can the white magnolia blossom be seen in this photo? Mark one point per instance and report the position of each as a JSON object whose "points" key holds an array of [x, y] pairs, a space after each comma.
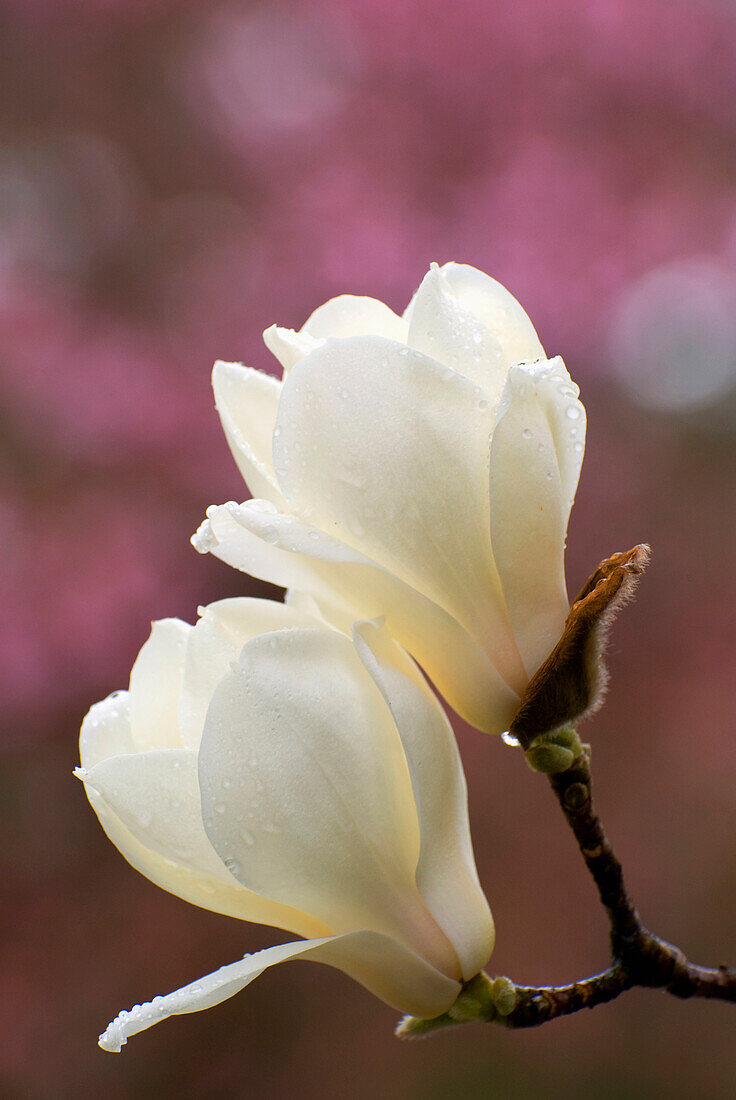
{"points": [[268, 767], [419, 467]]}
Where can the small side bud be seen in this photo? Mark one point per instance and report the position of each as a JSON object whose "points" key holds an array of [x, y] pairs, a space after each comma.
{"points": [[571, 683], [551, 753], [549, 759], [505, 997]]}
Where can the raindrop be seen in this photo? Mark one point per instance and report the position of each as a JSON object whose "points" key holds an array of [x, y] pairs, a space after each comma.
{"points": [[509, 739], [269, 533], [572, 412], [527, 433], [247, 836]]}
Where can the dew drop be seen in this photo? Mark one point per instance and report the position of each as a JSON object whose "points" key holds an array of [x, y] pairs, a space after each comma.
{"points": [[269, 533], [220, 808], [527, 433], [572, 412], [578, 448], [247, 836], [509, 739]]}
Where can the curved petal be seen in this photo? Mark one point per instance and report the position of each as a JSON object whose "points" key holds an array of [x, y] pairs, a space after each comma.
{"points": [[446, 873], [247, 401], [106, 730], [349, 586], [216, 641], [155, 684], [306, 795], [149, 806], [350, 315], [470, 322], [389, 970], [288, 346], [388, 451], [536, 452]]}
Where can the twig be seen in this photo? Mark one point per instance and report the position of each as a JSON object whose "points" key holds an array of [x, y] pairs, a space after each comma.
{"points": [[569, 685], [638, 957]]}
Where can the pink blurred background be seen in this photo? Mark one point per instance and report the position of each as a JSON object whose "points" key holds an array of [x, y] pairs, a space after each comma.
{"points": [[174, 177]]}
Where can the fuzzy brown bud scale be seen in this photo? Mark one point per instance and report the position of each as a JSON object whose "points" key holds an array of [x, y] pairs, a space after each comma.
{"points": [[571, 683]]}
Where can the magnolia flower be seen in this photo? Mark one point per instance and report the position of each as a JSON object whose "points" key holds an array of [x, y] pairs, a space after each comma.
{"points": [[419, 467], [268, 767]]}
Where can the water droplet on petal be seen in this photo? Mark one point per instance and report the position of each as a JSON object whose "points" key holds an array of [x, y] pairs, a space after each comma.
{"points": [[509, 739], [572, 412]]}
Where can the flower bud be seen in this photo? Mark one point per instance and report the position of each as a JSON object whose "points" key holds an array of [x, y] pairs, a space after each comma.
{"points": [[268, 767], [420, 468]]}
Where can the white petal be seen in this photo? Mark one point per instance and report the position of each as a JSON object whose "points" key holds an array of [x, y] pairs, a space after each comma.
{"points": [[106, 730], [155, 684], [349, 315], [348, 586], [387, 450], [467, 320], [149, 806], [216, 640], [536, 452], [390, 971], [288, 346], [247, 401], [306, 795], [446, 873]]}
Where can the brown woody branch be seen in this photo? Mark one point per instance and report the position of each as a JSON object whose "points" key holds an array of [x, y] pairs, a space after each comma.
{"points": [[639, 958], [567, 686]]}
